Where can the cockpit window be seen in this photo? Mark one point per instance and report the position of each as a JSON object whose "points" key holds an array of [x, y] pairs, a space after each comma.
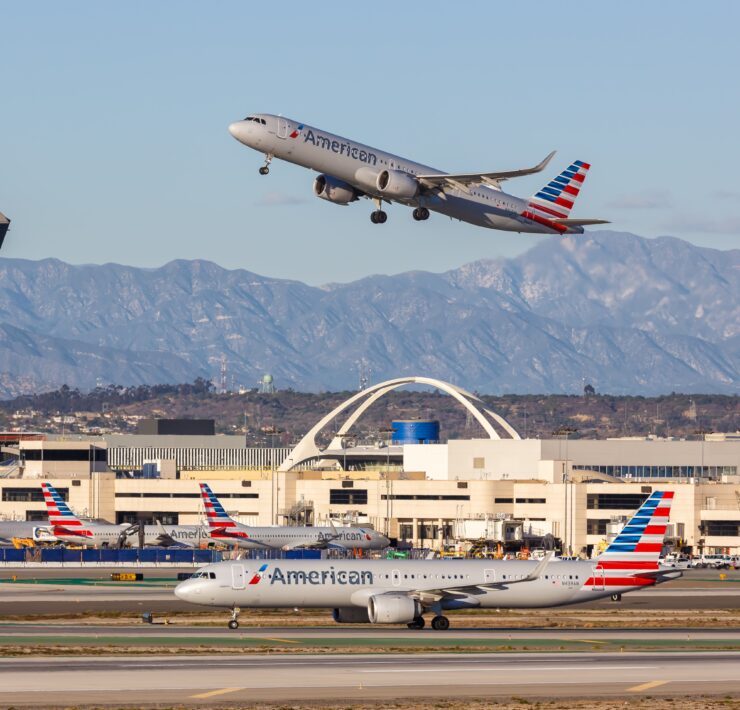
{"points": [[256, 120]]}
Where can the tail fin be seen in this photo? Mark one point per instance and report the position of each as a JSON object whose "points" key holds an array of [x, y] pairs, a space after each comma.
{"points": [[215, 513], [639, 544], [555, 200], [61, 517]]}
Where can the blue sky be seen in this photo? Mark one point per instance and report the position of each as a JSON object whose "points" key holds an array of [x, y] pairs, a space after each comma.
{"points": [[114, 142]]}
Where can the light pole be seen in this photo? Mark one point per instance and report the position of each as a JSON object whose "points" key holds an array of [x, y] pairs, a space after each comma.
{"points": [[567, 536], [274, 488], [388, 483]]}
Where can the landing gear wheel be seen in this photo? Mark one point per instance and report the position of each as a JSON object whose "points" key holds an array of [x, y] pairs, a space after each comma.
{"points": [[440, 623], [420, 214], [233, 624], [378, 217], [264, 170], [417, 623], [616, 597]]}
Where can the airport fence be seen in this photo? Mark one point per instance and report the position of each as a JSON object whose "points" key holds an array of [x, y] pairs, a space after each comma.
{"points": [[148, 556]]}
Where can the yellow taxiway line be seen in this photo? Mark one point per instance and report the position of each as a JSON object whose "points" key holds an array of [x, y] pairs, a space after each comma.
{"points": [[212, 693], [647, 686]]}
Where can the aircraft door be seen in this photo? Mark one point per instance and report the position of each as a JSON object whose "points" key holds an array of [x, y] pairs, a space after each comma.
{"points": [[489, 576], [237, 577], [282, 128], [599, 581]]}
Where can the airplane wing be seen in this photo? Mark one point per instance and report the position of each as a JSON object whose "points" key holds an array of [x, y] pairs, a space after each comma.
{"points": [[462, 180], [468, 589]]}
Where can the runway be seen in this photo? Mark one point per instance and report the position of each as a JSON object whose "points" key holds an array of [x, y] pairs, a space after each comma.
{"points": [[195, 679]]}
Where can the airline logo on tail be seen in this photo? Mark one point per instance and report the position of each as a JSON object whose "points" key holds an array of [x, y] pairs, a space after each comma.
{"points": [[555, 200], [61, 518], [219, 522], [632, 557]]}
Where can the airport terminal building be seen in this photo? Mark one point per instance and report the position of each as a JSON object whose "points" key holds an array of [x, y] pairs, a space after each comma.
{"points": [[499, 489]]}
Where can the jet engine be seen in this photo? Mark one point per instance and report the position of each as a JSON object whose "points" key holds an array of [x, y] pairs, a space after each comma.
{"points": [[395, 183], [329, 188], [392, 609], [350, 615]]}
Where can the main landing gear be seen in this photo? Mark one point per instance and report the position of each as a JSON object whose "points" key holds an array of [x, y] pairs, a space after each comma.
{"points": [[616, 597], [266, 167], [439, 623], [234, 621], [378, 217], [420, 214]]}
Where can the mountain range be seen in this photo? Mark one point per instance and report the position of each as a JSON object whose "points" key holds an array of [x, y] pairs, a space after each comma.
{"points": [[626, 314]]}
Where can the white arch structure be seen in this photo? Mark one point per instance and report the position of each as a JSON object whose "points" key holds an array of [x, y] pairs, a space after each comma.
{"points": [[307, 449]]}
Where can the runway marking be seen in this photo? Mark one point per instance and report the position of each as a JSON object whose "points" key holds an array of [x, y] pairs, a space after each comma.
{"points": [[268, 638], [506, 669], [647, 686], [575, 640], [220, 691]]}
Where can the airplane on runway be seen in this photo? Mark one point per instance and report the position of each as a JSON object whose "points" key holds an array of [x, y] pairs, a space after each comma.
{"points": [[402, 591], [67, 527], [225, 530], [350, 170]]}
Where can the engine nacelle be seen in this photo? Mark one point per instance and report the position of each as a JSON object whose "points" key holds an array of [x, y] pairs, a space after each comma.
{"points": [[350, 615], [392, 609], [395, 183], [329, 188]]}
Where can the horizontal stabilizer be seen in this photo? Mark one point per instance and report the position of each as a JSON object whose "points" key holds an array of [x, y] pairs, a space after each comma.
{"points": [[580, 222]]}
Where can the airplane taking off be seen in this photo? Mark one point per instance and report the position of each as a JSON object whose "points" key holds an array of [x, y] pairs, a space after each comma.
{"points": [[67, 527], [350, 170], [227, 531], [401, 591]]}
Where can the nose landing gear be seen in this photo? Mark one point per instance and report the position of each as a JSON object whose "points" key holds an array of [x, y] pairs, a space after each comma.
{"points": [[266, 167], [234, 621]]}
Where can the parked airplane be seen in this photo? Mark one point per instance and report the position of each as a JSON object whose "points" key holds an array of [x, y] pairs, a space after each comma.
{"points": [[25, 530], [350, 170], [224, 529], [67, 527], [402, 591]]}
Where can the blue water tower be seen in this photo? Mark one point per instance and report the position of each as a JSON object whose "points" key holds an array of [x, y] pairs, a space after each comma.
{"points": [[415, 431]]}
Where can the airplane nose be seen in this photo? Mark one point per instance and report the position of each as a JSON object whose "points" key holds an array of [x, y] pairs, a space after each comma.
{"points": [[237, 129], [185, 591]]}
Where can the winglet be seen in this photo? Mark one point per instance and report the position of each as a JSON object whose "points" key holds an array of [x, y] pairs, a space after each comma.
{"points": [[541, 166]]}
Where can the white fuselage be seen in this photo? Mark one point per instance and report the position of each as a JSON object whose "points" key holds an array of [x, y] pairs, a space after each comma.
{"points": [[107, 535], [359, 165], [289, 537], [351, 583]]}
